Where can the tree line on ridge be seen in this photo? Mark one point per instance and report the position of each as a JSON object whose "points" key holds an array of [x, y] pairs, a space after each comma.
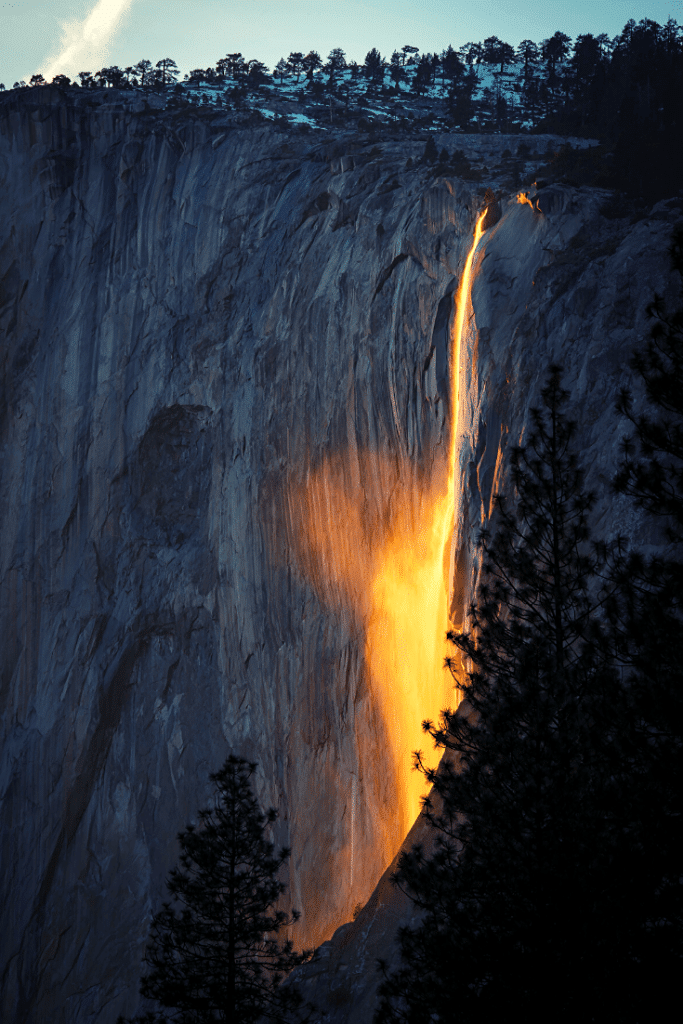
{"points": [[626, 91], [553, 73]]}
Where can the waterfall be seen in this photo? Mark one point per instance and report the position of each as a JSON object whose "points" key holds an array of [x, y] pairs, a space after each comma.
{"points": [[393, 580]]}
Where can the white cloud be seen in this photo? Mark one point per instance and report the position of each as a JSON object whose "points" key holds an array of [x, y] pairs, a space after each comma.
{"points": [[85, 44]]}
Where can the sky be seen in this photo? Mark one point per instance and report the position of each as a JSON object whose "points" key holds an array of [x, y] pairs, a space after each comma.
{"points": [[67, 36]]}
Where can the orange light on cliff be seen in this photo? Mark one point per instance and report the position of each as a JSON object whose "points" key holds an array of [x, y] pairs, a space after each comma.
{"points": [[406, 639], [395, 580], [406, 642], [522, 198], [462, 305]]}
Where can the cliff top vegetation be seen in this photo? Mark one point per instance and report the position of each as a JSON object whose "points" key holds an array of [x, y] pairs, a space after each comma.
{"points": [[627, 92]]}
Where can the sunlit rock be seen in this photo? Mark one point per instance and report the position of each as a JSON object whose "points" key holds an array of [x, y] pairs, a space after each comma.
{"points": [[225, 390]]}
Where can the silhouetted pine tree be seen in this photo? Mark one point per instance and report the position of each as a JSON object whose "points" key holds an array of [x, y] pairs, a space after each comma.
{"points": [[209, 956], [431, 153], [528, 902], [654, 477], [648, 620], [373, 68]]}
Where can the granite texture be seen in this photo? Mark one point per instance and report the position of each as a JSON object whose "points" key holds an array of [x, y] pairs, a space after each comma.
{"points": [[198, 324], [554, 282]]}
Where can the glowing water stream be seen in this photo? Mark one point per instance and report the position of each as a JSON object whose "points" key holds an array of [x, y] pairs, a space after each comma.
{"points": [[406, 639], [396, 581]]}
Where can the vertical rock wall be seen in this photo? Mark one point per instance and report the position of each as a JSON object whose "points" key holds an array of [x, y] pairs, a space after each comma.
{"points": [[555, 282], [193, 321]]}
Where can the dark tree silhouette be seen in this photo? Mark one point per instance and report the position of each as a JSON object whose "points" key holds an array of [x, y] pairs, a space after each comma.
{"points": [[452, 67], [527, 54], [230, 66], [496, 52], [168, 70], [586, 76], [145, 71], [196, 76], [373, 67], [531, 897], [408, 52], [112, 77], [491, 45], [422, 76], [336, 61], [281, 69], [295, 63], [431, 153], [649, 621], [471, 53], [209, 956], [311, 62], [555, 49], [460, 102], [654, 478], [396, 72], [257, 74]]}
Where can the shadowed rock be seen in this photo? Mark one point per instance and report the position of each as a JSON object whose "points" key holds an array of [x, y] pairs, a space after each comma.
{"points": [[189, 332]]}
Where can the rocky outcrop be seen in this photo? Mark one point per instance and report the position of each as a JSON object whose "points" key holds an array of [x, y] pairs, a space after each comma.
{"points": [[555, 282], [196, 319]]}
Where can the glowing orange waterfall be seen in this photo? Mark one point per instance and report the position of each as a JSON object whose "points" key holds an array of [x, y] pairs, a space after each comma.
{"points": [[398, 585], [406, 639]]}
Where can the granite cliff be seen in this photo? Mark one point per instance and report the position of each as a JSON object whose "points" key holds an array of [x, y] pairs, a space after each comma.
{"points": [[224, 371]]}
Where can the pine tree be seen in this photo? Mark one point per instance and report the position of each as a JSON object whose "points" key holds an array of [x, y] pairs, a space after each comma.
{"points": [[527, 54], [423, 75], [311, 62], [431, 153], [655, 479], [647, 615], [281, 69], [396, 71], [209, 956], [374, 66], [409, 51], [168, 70], [527, 901], [452, 68], [295, 63], [145, 71]]}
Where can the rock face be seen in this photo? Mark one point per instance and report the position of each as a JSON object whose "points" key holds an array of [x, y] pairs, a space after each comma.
{"points": [[198, 326], [555, 282]]}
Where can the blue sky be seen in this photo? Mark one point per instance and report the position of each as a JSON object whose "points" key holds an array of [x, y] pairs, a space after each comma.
{"points": [[68, 36]]}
